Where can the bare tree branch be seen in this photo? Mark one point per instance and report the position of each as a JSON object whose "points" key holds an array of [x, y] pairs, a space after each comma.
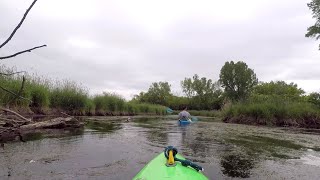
{"points": [[13, 93], [10, 74], [20, 91], [21, 52], [18, 26], [17, 95]]}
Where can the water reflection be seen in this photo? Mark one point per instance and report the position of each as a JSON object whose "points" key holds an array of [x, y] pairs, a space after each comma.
{"points": [[154, 131], [103, 126], [51, 133]]}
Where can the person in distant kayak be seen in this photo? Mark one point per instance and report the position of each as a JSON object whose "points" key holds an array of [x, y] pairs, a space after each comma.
{"points": [[185, 115]]}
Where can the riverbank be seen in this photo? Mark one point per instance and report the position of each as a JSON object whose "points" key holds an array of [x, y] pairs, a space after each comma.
{"points": [[18, 125], [281, 114]]}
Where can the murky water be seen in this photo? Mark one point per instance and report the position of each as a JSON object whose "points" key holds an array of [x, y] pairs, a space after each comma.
{"points": [[118, 150]]}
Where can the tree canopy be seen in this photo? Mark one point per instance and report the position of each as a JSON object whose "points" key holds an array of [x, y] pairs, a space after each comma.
{"points": [[237, 79], [278, 88], [202, 92], [158, 93], [314, 31]]}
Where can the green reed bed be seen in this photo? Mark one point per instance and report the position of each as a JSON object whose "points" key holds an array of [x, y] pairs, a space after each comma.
{"points": [[109, 103], [70, 97], [47, 96], [285, 113]]}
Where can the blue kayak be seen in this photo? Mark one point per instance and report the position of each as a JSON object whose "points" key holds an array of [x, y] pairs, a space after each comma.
{"points": [[184, 122]]}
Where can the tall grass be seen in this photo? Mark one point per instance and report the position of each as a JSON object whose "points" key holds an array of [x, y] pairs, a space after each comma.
{"points": [[70, 97], [47, 96], [149, 109], [293, 113], [109, 103]]}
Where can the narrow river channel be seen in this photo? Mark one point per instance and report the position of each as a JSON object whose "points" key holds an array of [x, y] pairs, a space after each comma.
{"points": [[118, 150]]}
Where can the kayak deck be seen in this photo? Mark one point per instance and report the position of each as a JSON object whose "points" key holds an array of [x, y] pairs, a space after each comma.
{"points": [[156, 169]]}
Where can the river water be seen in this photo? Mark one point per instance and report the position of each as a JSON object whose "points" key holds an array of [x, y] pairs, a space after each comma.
{"points": [[117, 149]]}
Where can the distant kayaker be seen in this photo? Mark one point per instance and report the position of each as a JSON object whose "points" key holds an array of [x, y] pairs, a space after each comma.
{"points": [[185, 115]]}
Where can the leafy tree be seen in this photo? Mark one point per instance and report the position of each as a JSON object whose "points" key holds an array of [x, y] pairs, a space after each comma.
{"points": [[158, 93], [202, 92], [277, 91], [187, 87], [279, 88], [314, 31], [178, 103], [314, 98], [237, 79]]}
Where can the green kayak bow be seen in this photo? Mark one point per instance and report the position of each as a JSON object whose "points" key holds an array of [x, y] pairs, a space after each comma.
{"points": [[170, 165]]}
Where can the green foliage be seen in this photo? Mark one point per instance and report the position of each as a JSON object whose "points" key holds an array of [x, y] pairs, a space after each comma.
{"points": [[158, 93], [314, 98], [176, 102], [35, 90], [203, 93], [14, 85], [90, 107], [238, 80], [295, 113], [40, 96], [39, 92], [143, 108], [314, 31], [109, 102], [69, 96], [280, 88]]}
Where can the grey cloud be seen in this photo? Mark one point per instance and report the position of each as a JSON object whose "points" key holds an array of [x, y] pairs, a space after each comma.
{"points": [[129, 57]]}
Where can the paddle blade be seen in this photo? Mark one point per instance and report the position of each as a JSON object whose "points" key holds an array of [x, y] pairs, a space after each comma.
{"points": [[169, 110]]}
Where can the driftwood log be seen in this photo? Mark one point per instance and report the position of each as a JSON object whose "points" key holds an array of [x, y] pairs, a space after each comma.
{"points": [[57, 123], [12, 128]]}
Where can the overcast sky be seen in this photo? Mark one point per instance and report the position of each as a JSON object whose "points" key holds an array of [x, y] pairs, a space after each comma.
{"points": [[124, 45]]}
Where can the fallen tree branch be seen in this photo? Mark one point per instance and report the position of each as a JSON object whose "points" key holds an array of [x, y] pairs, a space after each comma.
{"points": [[14, 93], [15, 113], [65, 114], [10, 74], [21, 52], [20, 91], [18, 26], [12, 122]]}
